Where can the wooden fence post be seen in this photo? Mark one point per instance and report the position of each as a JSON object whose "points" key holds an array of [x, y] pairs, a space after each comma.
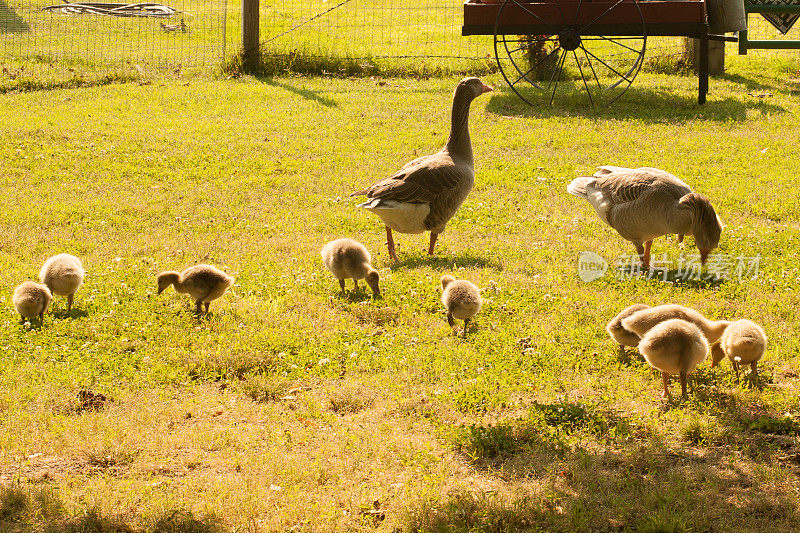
{"points": [[250, 35], [716, 55]]}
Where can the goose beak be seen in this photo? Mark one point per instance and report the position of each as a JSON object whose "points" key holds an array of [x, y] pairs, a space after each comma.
{"points": [[160, 290], [485, 88], [704, 256]]}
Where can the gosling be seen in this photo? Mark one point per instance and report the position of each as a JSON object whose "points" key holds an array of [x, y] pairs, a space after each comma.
{"points": [[63, 274], [461, 298], [620, 335], [31, 299], [204, 283], [743, 342], [674, 346], [642, 321], [347, 258]]}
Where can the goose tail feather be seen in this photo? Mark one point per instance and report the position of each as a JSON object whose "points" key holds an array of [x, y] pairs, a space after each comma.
{"points": [[371, 203], [578, 187]]}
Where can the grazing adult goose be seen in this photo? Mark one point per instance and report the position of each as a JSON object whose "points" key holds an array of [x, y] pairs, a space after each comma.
{"points": [[674, 346], [63, 274], [742, 342], [622, 336], [426, 193], [642, 321], [461, 298], [31, 299], [348, 258], [644, 203], [204, 283]]}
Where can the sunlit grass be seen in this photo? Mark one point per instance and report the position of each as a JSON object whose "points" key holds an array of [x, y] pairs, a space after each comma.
{"points": [[292, 406]]}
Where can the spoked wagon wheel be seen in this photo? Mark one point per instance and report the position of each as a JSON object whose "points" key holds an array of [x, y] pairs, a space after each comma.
{"points": [[574, 50]]}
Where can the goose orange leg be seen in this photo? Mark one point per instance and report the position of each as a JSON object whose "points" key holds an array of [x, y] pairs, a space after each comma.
{"points": [[639, 250], [433, 243], [683, 383], [665, 380], [390, 243], [646, 257]]}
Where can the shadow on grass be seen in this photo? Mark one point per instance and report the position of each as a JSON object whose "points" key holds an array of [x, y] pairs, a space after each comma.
{"points": [[559, 479], [692, 279], [72, 313], [436, 262], [545, 427], [10, 22], [40, 509], [641, 488], [649, 105], [362, 294], [33, 323], [305, 93], [784, 85], [636, 484]]}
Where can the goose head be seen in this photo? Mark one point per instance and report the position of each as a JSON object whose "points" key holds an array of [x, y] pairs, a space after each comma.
{"points": [[373, 278], [165, 279], [717, 355], [706, 225], [446, 280], [471, 88]]}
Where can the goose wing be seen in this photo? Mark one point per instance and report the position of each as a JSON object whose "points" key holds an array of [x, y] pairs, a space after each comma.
{"points": [[419, 181], [619, 185]]}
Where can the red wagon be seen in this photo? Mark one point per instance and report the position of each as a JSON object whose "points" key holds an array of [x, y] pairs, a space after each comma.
{"points": [[591, 46]]}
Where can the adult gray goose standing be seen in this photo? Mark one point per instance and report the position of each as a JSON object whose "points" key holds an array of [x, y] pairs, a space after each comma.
{"points": [[426, 193], [644, 203]]}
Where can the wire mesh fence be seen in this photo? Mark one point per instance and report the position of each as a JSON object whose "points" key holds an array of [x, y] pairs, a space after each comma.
{"points": [[186, 32], [419, 33], [399, 30]]}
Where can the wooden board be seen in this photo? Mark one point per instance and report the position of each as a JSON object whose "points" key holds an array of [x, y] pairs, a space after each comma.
{"points": [[673, 17]]}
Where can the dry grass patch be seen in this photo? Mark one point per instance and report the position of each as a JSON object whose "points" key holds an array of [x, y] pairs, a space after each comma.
{"points": [[351, 397]]}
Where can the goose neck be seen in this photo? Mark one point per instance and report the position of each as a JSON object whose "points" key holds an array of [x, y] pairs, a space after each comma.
{"points": [[459, 143], [715, 329]]}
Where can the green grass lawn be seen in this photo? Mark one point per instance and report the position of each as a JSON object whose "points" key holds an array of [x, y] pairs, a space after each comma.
{"points": [[293, 407]]}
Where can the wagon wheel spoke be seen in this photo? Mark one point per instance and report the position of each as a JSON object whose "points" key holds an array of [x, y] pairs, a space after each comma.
{"points": [[528, 44], [577, 12], [523, 73], [534, 67], [577, 62], [614, 40], [589, 62], [557, 73], [603, 14], [552, 28], [609, 67]]}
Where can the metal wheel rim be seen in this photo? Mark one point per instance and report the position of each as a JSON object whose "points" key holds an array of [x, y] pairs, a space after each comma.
{"points": [[501, 44]]}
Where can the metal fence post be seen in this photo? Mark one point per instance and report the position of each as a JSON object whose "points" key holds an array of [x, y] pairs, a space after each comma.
{"points": [[250, 35]]}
